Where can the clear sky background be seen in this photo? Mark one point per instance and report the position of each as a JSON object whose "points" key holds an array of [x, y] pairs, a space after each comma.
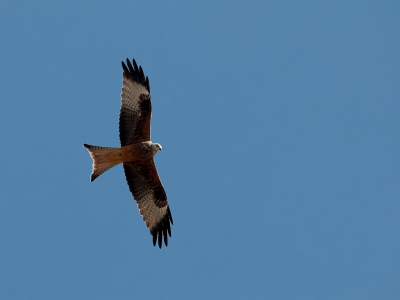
{"points": [[279, 122]]}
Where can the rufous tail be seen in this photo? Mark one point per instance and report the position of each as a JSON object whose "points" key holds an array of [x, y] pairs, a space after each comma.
{"points": [[101, 159]]}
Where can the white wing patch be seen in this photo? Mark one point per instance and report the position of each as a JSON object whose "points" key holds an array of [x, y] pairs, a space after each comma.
{"points": [[151, 214], [131, 91]]}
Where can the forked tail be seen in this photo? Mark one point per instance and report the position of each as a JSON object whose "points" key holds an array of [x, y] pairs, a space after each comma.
{"points": [[102, 160]]}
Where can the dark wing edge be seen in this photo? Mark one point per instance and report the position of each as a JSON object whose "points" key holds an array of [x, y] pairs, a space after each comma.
{"points": [[135, 73], [148, 192]]}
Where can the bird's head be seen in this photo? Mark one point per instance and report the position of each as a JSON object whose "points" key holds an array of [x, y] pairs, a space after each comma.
{"points": [[155, 147]]}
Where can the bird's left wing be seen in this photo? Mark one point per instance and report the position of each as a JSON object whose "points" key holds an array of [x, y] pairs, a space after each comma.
{"points": [[148, 191]]}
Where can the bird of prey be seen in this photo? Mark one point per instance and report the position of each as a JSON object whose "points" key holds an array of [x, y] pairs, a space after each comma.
{"points": [[136, 154]]}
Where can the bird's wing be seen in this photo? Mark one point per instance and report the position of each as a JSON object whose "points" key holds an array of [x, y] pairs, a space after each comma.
{"points": [[135, 105], [148, 191]]}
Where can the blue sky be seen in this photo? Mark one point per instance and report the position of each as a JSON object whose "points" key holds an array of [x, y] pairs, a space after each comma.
{"points": [[279, 122]]}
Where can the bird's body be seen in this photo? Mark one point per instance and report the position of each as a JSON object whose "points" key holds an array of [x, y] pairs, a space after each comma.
{"points": [[136, 154], [105, 157]]}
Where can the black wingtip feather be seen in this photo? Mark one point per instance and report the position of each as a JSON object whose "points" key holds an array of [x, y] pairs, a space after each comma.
{"points": [[160, 239], [131, 70], [161, 230], [136, 73], [135, 65], [148, 84], [169, 229], [154, 239], [126, 71], [141, 72], [165, 236], [170, 216]]}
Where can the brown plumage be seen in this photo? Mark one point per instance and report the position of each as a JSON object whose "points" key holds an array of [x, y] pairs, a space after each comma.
{"points": [[136, 154]]}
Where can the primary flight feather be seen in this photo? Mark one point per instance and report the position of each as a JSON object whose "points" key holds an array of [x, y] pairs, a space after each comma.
{"points": [[137, 154]]}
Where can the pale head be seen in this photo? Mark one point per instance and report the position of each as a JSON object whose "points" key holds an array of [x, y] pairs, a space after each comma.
{"points": [[155, 147]]}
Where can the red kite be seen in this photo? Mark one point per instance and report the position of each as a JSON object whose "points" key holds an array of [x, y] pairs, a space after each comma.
{"points": [[136, 154]]}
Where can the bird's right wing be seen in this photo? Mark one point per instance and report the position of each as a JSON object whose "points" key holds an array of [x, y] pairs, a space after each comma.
{"points": [[135, 90]]}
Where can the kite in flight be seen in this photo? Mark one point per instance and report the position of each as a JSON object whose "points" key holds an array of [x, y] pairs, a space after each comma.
{"points": [[136, 154]]}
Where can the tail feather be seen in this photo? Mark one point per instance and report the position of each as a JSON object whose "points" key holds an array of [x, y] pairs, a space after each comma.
{"points": [[101, 161]]}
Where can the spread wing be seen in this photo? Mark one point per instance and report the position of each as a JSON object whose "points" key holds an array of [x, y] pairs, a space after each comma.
{"points": [[143, 180], [148, 191], [135, 113]]}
